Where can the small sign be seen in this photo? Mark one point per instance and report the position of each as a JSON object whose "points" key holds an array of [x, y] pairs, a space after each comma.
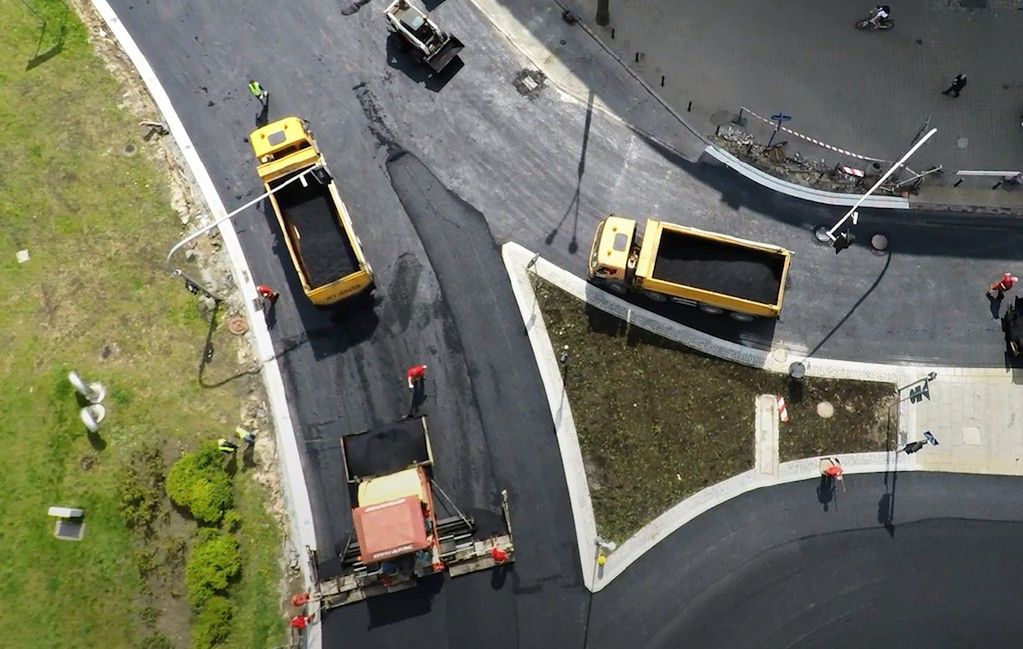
{"points": [[931, 439], [780, 117]]}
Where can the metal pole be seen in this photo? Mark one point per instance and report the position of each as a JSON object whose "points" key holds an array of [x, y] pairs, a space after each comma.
{"points": [[203, 230], [891, 170]]}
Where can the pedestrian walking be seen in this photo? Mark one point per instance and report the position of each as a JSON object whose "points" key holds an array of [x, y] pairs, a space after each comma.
{"points": [[226, 446], [415, 375], [1007, 281], [259, 92], [957, 85], [267, 295], [246, 436]]}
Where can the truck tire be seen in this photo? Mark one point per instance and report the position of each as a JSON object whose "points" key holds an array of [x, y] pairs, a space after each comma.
{"points": [[708, 308], [741, 317], [616, 288], [655, 297]]}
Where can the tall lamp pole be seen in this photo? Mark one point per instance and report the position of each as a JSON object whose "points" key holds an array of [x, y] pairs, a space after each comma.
{"points": [[845, 239], [191, 283]]}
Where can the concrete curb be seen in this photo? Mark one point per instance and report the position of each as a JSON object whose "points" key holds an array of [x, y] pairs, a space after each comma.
{"points": [[765, 179], [295, 492], [519, 261]]}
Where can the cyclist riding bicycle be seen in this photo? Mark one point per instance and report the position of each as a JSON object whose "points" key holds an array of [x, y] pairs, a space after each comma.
{"points": [[880, 14]]}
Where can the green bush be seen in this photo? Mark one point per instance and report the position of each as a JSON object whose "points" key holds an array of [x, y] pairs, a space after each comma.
{"points": [[199, 482], [214, 562], [212, 623]]}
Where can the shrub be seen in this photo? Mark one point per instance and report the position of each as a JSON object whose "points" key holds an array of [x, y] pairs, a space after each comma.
{"points": [[156, 641], [232, 521], [212, 624], [199, 482], [140, 489], [211, 567]]}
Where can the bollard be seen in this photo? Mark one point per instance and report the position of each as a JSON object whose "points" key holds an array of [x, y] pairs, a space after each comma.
{"points": [[662, 80]]}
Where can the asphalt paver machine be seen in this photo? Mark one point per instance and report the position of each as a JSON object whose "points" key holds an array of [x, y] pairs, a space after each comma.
{"points": [[430, 43], [399, 537]]}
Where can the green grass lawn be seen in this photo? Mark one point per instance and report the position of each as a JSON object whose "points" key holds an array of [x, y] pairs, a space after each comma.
{"points": [[657, 422], [93, 298]]}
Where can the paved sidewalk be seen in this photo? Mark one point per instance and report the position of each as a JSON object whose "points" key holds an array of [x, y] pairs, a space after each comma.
{"points": [[974, 414], [977, 419], [866, 92]]}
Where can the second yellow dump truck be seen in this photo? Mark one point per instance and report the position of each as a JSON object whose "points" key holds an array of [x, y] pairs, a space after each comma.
{"points": [[314, 221], [716, 272]]}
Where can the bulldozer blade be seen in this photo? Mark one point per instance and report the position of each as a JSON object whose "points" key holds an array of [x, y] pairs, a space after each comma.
{"points": [[440, 59]]}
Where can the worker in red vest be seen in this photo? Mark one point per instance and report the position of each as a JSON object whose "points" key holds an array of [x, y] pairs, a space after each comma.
{"points": [[416, 374], [1007, 281], [831, 467]]}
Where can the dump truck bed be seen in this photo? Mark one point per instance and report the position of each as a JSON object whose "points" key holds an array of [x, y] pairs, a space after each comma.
{"points": [[326, 252], [712, 263]]}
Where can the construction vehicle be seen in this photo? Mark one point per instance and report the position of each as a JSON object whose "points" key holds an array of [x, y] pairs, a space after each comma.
{"points": [[314, 221], [435, 47], [398, 536], [715, 272]]}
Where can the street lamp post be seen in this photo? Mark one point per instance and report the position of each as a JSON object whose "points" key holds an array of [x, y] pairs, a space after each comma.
{"points": [[190, 283], [845, 239]]}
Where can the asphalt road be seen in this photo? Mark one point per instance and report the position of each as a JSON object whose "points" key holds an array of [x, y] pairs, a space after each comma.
{"points": [[776, 568], [486, 163]]}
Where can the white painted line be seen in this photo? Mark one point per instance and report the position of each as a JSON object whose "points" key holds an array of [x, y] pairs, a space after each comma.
{"points": [[798, 191], [294, 487]]}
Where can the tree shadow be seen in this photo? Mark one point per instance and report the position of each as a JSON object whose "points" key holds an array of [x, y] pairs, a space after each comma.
{"points": [[573, 205], [40, 56]]}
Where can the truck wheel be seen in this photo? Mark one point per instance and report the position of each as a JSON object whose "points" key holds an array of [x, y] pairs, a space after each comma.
{"points": [[741, 317], [707, 308], [655, 297], [615, 288]]}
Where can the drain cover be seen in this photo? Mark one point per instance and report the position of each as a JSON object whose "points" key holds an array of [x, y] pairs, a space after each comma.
{"points": [[529, 83]]}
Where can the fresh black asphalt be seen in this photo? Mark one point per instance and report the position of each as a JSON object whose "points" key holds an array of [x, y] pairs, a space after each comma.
{"points": [[485, 163]]}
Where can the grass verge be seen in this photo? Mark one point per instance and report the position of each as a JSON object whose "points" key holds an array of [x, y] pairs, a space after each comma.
{"points": [[82, 192], [657, 422]]}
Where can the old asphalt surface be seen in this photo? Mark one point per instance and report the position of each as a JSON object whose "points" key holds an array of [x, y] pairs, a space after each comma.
{"points": [[434, 170]]}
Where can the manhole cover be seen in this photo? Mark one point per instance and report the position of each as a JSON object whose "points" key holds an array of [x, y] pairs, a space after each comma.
{"points": [[129, 149], [879, 242], [825, 410], [963, 142], [821, 234], [237, 325]]}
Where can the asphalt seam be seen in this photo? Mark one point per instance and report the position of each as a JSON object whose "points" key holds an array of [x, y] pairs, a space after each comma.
{"points": [[296, 494]]}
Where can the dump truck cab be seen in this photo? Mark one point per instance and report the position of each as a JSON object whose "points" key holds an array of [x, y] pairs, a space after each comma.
{"points": [[282, 147], [614, 254]]}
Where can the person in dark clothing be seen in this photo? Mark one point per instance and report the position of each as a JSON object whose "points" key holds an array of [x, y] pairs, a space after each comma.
{"points": [[957, 85]]}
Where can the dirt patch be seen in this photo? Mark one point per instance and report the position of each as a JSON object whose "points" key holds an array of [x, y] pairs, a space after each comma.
{"points": [[657, 422]]}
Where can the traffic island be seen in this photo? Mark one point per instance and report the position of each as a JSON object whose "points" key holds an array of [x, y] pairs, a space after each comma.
{"points": [[657, 421]]}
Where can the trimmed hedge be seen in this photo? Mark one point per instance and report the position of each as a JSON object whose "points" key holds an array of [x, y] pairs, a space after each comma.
{"points": [[212, 624], [199, 482], [214, 562]]}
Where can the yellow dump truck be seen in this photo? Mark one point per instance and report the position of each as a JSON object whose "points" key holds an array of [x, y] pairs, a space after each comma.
{"points": [[314, 221], [715, 272]]}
